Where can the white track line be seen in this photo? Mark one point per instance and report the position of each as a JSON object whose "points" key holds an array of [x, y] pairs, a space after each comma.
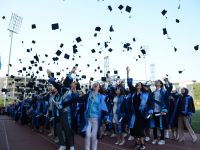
{"points": [[8, 147]]}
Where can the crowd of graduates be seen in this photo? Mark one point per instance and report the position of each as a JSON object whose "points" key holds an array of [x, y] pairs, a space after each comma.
{"points": [[112, 110]]}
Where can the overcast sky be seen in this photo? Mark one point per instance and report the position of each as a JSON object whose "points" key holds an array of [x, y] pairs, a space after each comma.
{"points": [[78, 18]]}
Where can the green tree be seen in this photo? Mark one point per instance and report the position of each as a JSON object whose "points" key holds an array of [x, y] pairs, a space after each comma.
{"points": [[196, 89]]}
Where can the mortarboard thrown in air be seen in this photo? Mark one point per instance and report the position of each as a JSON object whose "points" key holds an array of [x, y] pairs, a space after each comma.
{"points": [[164, 12], [55, 26], [58, 53], [66, 56], [196, 47], [93, 51], [177, 20], [110, 8], [111, 29], [98, 29], [128, 9], [120, 7], [61, 45], [78, 39], [103, 79], [33, 26]]}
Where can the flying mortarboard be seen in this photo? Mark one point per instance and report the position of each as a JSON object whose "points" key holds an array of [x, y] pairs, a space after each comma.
{"points": [[78, 39], [164, 31], [115, 72], [24, 68], [103, 79], [121, 7], [143, 51], [33, 42], [93, 51], [58, 52], [196, 47], [110, 49], [177, 20], [110, 8], [164, 12], [91, 79], [33, 26], [61, 45], [66, 56], [98, 29], [175, 49], [55, 26], [3, 17], [128, 9], [111, 29]]}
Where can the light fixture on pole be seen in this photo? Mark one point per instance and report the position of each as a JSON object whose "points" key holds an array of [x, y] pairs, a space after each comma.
{"points": [[14, 26]]}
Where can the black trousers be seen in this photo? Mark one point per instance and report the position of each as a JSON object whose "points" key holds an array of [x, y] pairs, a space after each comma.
{"points": [[63, 125], [160, 122]]}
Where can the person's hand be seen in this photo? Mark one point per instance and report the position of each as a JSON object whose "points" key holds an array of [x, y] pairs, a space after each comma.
{"points": [[73, 70], [127, 69], [48, 72], [163, 113]]}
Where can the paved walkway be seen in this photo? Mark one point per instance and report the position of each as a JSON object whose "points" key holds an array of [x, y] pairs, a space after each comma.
{"points": [[14, 136]]}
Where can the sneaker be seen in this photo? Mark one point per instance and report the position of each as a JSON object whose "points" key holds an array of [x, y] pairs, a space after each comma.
{"points": [[122, 143], [113, 135], [50, 134], [147, 138], [130, 138], [117, 143], [62, 147], [161, 142], [56, 140], [154, 141], [142, 146], [124, 135], [194, 140], [181, 140], [136, 145], [167, 134]]}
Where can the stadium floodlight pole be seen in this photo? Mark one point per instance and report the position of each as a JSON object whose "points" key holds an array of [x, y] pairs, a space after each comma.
{"points": [[14, 26]]}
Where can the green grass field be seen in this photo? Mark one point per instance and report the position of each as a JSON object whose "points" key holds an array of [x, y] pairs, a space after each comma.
{"points": [[196, 121]]}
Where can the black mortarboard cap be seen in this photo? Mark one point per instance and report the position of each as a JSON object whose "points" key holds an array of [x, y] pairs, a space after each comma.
{"points": [[20, 71], [95, 34], [33, 41], [139, 56], [61, 45], [164, 12], [76, 65], [35, 65], [110, 49], [55, 26], [180, 71], [28, 50], [93, 51], [66, 56], [134, 40], [121, 7], [40, 68], [29, 67], [115, 72], [78, 39], [58, 52], [196, 47], [164, 31], [83, 76], [111, 29], [110, 8], [177, 20], [91, 79], [36, 58], [101, 71], [3, 17], [32, 61], [108, 71], [98, 29], [103, 79], [143, 51], [46, 55], [128, 9], [57, 73], [88, 65], [95, 59], [175, 49], [33, 26], [105, 44], [24, 68], [37, 72], [55, 58], [12, 76]]}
